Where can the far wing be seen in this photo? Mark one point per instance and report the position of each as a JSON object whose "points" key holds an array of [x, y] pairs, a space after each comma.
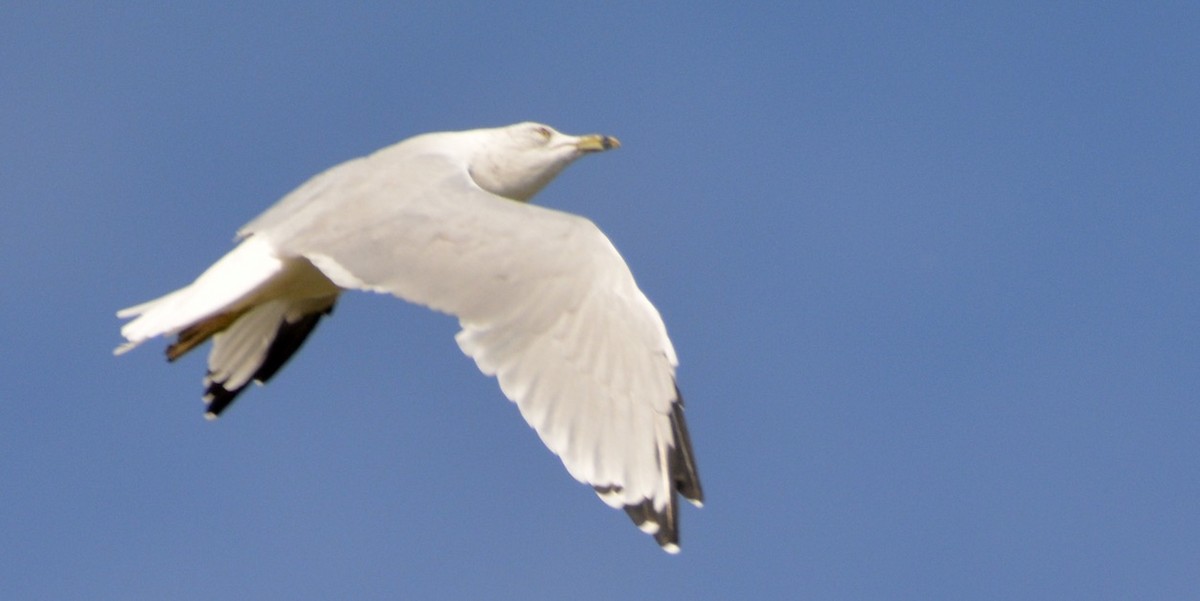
{"points": [[546, 304]]}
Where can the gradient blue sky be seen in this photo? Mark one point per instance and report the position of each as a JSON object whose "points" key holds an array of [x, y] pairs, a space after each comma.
{"points": [[932, 272]]}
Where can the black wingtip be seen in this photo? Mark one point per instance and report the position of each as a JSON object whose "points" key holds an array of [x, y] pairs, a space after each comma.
{"points": [[217, 398], [684, 475], [288, 339], [661, 524], [685, 480]]}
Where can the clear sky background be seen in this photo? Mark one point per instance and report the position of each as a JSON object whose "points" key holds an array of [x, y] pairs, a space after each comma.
{"points": [[932, 272]]}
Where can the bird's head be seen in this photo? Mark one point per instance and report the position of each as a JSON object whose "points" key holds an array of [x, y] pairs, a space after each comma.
{"points": [[519, 160]]}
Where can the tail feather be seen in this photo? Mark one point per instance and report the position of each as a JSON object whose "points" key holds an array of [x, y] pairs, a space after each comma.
{"points": [[230, 282]]}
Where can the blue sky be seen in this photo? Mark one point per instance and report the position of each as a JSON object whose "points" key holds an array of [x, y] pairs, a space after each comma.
{"points": [[932, 273]]}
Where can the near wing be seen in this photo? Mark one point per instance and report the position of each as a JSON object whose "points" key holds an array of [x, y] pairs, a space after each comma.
{"points": [[546, 304]]}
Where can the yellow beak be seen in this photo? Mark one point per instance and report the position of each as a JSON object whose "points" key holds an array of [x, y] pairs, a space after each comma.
{"points": [[597, 143]]}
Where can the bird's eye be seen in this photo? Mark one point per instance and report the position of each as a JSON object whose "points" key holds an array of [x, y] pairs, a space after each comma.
{"points": [[544, 132]]}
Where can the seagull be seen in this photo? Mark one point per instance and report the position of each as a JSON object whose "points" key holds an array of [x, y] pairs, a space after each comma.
{"points": [[544, 301]]}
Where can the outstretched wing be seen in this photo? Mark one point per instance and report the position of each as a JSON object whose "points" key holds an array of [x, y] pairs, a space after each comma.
{"points": [[545, 302]]}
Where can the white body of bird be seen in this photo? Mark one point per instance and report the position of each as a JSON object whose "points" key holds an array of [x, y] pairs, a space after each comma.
{"points": [[545, 302]]}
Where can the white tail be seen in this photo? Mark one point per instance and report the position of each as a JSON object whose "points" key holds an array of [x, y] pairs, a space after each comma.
{"points": [[229, 285]]}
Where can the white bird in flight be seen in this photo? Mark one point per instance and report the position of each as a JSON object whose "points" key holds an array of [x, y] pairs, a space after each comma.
{"points": [[545, 302]]}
